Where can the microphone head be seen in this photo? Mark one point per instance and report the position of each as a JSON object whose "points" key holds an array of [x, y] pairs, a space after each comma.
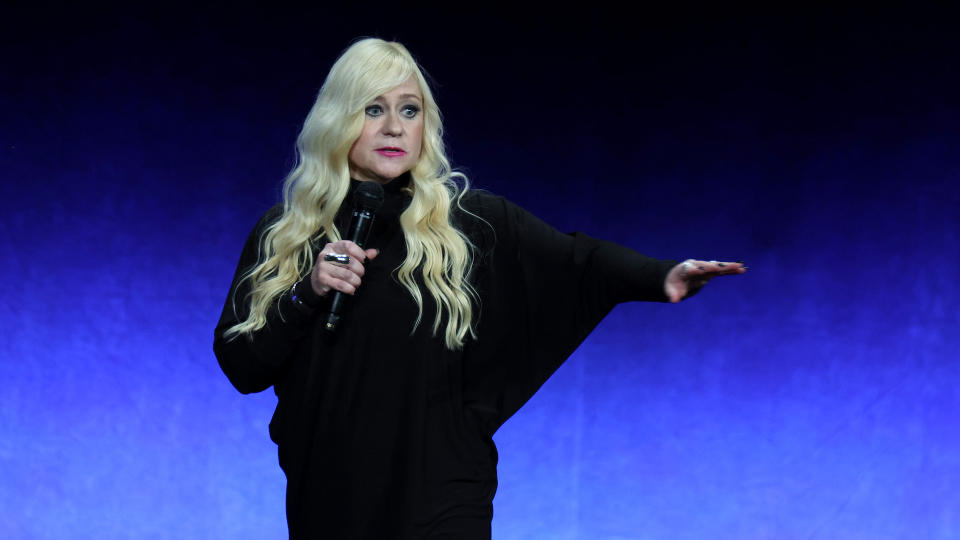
{"points": [[368, 196]]}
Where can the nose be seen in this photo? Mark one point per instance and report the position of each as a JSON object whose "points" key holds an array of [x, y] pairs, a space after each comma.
{"points": [[392, 125]]}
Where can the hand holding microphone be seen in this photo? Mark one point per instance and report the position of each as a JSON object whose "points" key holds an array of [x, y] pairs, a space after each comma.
{"points": [[339, 267]]}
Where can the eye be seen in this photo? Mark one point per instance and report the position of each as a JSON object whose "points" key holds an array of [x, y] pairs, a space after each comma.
{"points": [[373, 110], [410, 111]]}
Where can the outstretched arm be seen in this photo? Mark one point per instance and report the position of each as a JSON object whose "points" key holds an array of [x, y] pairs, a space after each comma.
{"points": [[687, 278]]}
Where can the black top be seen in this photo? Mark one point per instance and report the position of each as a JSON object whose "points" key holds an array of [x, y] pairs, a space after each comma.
{"points": [[387, 434]]}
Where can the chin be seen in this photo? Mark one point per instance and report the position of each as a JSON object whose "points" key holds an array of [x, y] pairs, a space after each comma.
{"points": [[392, 173]]}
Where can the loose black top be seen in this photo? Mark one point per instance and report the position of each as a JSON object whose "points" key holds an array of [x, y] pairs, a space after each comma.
{"points": [[384, 433]]}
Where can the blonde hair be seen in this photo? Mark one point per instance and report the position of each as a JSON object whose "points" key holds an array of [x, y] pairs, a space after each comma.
{"points": [[318, 184]]}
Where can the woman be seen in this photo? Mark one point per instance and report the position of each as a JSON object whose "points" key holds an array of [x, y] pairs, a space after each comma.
{"points": [[460, 307]]}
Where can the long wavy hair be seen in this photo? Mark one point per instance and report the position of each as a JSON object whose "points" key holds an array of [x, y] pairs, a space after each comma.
{"points": [[320, 180]]}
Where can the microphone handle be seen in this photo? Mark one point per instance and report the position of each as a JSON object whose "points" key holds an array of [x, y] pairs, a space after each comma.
{"points": [[359, 231]]}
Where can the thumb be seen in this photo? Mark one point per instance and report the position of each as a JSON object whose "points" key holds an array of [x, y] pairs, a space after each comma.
{"points": [[672, 290], [675, 296], [372, 253]]}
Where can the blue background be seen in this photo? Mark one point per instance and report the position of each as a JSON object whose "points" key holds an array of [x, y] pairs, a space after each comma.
{"points": [[814, 397]]}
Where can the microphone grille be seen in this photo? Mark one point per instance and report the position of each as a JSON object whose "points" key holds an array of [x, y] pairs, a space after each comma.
{"points": [[368, 196]]}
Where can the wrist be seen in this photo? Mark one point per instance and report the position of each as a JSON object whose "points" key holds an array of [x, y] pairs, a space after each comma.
{"points": [[304, 297]]}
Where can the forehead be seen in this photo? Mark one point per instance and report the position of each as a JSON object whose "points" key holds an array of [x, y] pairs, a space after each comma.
{"points": [[406, 89]]}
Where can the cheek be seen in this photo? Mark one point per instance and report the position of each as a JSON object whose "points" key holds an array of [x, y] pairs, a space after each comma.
{"points": [[352, 154], [356, 149], [367, 133], [419, 140]]}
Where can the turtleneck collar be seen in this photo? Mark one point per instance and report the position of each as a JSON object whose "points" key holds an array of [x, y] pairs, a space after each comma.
{"points": [[396, 197]]}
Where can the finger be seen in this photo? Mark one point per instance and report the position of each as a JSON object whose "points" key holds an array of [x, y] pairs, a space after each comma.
{"points": [[339, 258], [352, 264], [736, 267], [345, 260], [726, 264], [352, 249], [724, 269], [351, 274], [342, 286], [338, 265], [712, 268], [691, 267], [706, 275], [337, 249], [706, 267], [356, 266], [695, 274], [341, 279], [372, 253], [329, 251]]}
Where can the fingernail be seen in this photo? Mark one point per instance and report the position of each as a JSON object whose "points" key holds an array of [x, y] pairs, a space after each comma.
{"points": [[721, 265]]}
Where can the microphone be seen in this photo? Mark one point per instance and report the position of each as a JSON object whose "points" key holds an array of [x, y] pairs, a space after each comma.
{"points": [[367, 199]]}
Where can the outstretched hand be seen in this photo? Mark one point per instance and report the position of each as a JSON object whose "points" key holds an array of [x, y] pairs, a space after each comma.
{"points": [[688, 277]]}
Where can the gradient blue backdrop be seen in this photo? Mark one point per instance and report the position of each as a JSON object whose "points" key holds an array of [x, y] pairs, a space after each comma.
{"points": [[814, 397]]}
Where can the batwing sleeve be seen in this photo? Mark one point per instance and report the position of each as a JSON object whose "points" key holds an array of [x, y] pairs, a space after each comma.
{"points": [[543, 292], [253, 362]]}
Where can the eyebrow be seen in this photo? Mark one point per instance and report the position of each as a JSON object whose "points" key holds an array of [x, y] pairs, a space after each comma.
{"points": [[404, 96]]}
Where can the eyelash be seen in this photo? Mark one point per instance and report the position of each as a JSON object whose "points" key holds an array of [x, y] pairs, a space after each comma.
{"points": [[377, 110]]}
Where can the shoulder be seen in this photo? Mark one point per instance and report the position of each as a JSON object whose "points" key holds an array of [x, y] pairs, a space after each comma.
{"points": [[255, 238], [479, 201], [266, 219], [270, 216], [483, 216], [495, 209], [498, 211], [492, 220]]}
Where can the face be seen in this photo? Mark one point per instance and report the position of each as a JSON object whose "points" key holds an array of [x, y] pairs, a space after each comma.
{"points": [[389, 144]]}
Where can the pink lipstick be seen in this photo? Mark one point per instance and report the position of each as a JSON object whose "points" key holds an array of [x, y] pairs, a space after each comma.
{"points": [[391, 151]]}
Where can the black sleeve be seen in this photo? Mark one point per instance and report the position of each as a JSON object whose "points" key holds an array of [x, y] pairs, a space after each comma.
{"points": [[544, 292], [254, 362]]}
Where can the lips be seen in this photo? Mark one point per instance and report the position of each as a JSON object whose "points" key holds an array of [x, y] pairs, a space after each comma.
{"points": [[391, 151]]}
